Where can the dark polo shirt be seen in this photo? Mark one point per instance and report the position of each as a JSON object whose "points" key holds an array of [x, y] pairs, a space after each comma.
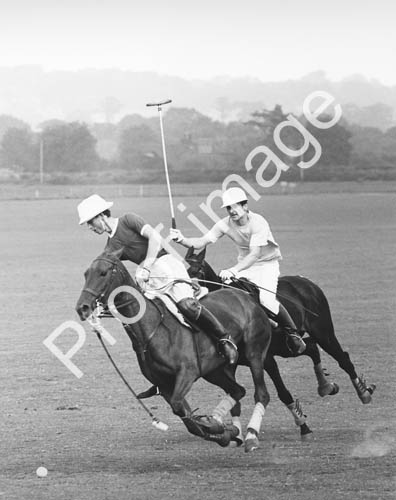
{"points": [[128, 237]]}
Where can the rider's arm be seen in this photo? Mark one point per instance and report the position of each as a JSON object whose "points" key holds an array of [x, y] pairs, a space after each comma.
{"points": [[216, 232], [250, 259], [197, 243], [154, 245]]}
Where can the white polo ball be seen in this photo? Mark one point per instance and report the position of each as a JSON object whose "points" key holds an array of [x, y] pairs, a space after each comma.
{"points": [[41, 472]]}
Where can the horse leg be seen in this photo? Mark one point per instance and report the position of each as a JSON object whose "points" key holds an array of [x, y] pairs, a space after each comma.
{"points": [[195, 425], [261, 398], [176, 399], [184, 412], [294, 406], [225, 378], [236, 422], [271, 367], [325, 388], [231, 404], [327, 340], [236, 440]]}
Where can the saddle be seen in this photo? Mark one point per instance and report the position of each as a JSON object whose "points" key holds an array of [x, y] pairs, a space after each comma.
{"points": [[170, 304], [248, 286]]}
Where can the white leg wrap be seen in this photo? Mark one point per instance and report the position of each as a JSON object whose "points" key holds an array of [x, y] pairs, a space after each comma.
{"points": [[250, 435], [223, 408], [257, 417]]}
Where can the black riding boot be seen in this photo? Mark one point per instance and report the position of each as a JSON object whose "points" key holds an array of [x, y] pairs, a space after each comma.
{"points": [[204, 319], [285, 321]]}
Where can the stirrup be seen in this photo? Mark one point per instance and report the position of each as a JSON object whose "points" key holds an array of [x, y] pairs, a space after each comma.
{"points": [[234, 357], [294, 336]]}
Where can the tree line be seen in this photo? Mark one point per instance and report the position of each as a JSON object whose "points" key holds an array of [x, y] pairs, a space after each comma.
{"points": [[198, 148]]}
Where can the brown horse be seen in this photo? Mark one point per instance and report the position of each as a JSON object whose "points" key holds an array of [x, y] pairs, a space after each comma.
{"points": [[173, 357], [310, 310]]}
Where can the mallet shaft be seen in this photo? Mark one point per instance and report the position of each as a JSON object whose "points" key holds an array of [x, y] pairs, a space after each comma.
{"points": [[159, 104]]}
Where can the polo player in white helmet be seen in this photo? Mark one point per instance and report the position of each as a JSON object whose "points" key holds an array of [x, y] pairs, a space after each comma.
{"points": [[258, 256], [141, 244]]}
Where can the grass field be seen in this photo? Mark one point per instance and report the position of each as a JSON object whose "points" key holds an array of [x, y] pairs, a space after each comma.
{"points": [[98, 444]]}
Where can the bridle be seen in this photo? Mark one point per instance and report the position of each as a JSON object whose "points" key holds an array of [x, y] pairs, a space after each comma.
{"points": [[198, 268], [102, 304], [102, 307]]}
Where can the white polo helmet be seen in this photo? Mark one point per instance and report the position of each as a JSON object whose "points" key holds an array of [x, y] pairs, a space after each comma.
{"points": [[91, 207], [233, 195]]}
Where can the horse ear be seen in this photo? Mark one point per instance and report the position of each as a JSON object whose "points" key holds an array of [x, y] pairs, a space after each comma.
{"points": [[189, 254], [117, 253], [201, 255]]}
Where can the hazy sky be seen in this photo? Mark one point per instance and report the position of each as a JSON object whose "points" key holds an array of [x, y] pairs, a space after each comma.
{"points": [[271, 40]]}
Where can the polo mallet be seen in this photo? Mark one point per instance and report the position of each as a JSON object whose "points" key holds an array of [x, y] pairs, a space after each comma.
{"points": [[99, 330], [159, 107]]}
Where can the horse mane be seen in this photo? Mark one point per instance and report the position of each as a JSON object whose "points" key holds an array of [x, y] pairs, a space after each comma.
{"points": [[114, 256], [206, 272]]}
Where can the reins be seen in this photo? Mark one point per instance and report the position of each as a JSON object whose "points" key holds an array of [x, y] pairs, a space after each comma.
{"points": [[224, 285], [286, 297]]}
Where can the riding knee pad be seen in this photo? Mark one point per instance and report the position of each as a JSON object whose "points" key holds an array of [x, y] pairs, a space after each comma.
{"points": [[190, 308]]}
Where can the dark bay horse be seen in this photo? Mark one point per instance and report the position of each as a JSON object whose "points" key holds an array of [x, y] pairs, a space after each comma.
{"points": [[310, 310], [173, 357]]}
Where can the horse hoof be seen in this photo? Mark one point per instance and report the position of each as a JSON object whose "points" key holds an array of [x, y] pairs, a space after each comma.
{"points": [[365, 397], [237, 442], [363, 390], [328, 389], [305, 433], [304, 429], [223, 439], [251, 444], [371, 388], [152, 391], [209, 424], [236, 436]]}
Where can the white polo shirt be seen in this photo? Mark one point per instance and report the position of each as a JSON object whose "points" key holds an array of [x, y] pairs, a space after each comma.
{"points": [[255, 233]]}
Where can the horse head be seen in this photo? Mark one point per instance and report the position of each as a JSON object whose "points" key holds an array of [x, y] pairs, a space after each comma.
{"points": [[104, 275], [196, 262], [200, 269]]}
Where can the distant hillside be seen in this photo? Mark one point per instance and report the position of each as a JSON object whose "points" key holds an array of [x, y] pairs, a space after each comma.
{"points": [[93, 95]]}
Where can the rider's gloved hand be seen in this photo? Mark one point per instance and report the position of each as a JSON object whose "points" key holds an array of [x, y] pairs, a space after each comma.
{"points": [[226, 274], [176, 235], [142, 275]]}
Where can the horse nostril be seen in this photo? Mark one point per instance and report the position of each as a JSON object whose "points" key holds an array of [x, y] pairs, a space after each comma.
{"points": [[84, 311]]}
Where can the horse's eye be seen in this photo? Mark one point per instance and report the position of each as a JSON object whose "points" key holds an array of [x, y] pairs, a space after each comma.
{"points": [[104, 272]]}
